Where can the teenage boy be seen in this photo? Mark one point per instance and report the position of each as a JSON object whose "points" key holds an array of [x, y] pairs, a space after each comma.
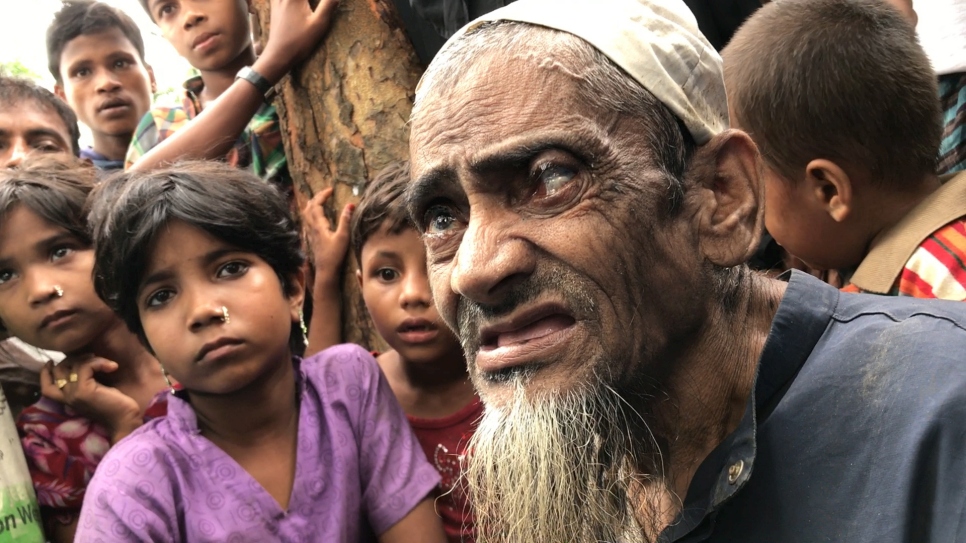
{"points": [[96, 55], [32, 120], [426, 368], [848, 125], [214, 36]]}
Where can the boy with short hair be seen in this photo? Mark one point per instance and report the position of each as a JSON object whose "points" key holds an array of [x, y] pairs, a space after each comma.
{"points": [[426, 368], [841, 100], [214, 36], [32, 120], [96, 54]]}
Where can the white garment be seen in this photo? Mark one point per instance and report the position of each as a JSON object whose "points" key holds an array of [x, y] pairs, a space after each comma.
{"points": [[942, 33], [18, 503]]}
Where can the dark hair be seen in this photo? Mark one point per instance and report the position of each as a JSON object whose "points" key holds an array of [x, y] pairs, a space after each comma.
{"points": [[83, 18], [129, 209], [844, 80], [383, 202], [53, 188], [15, 91]]}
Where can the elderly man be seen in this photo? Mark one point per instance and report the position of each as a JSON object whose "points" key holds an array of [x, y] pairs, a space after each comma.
{"points": [[587, 214]]}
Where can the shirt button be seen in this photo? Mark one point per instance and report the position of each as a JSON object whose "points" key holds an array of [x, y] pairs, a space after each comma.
{"points": [[734, 471]]}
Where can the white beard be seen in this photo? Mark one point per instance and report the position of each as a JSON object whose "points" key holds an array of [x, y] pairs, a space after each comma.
{"points": [[560, 468]]}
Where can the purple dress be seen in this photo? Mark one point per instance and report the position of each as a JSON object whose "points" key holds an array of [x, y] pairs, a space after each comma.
{"points": [[359, 470]]}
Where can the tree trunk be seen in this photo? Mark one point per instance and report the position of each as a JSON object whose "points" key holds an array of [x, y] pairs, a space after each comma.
{"points": [[344, 115]]}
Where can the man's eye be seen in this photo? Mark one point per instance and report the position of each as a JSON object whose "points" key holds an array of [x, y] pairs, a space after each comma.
{"points": [[5, 275], [438, 219], [159, 298], [47, 147], [59, 253], [82, 72], [552, 178], [122, 63], [232, 269], [387, 274], [165, 9]]}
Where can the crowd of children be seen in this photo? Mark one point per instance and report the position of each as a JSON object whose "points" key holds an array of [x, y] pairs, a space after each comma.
{"points": [[145, 284]]}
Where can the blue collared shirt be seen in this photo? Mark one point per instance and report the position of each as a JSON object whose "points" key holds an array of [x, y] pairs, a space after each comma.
{"points": [[856, 430]]}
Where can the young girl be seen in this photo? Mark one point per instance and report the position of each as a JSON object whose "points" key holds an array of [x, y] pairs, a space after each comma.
{"points": [[204, 263], [108, 382]]}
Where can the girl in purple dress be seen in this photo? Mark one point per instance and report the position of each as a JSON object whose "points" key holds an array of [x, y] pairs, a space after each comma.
{"points": [[204, 263]]}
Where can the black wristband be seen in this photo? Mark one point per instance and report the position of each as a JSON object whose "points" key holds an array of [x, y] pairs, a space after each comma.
{"points": [[260, 83]]}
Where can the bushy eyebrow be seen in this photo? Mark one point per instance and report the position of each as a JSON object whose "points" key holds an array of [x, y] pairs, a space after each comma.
{"points": [[515, 153], [37, 132], [428, 186]]}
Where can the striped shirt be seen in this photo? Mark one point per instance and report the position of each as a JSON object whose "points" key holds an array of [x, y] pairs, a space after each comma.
{"points": [[914, 258], [259, 147]]}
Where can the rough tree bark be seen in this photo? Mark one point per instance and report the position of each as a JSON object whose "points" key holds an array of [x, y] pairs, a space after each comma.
{"points": [[344, 113]]}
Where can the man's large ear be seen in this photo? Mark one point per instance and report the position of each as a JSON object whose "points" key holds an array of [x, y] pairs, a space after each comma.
{"points": [[726, 175], [59, 91]]}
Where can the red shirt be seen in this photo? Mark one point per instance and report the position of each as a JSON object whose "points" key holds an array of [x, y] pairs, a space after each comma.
{"points": [[444, 442], [64, 448]]}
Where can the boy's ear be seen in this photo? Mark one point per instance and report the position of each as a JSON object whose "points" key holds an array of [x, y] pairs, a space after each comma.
{"points": [[296, 293], [154, 82], [831, 186]]}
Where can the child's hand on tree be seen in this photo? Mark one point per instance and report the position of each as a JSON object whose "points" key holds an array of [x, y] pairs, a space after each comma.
{"points": [[72, 383], [327, 246], [296, 31]]}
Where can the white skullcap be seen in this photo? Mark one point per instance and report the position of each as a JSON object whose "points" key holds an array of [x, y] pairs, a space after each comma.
{"points": [[657, 42]]}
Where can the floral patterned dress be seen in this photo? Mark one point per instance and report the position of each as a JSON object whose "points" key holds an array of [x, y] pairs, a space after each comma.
{"points": [[63, 449]]}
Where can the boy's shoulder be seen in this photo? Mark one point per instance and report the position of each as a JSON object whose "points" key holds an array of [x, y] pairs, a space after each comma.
{"points": [[924, 254]]}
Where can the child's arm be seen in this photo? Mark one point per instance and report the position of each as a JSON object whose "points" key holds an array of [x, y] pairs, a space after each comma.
{"points": [[60, 533], [328, 248], [215, 130]]}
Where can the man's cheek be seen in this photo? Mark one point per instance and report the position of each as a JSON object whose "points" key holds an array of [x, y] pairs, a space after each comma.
{"points": [[443, 297]]}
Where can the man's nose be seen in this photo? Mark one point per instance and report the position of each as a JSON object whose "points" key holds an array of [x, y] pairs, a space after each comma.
{"points": [[493, 254], [192, 17], [18, 151], [107, 81]]}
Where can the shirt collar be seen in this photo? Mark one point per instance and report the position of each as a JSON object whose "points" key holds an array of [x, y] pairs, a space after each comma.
{"points": [[100, 161], [802, 318]]}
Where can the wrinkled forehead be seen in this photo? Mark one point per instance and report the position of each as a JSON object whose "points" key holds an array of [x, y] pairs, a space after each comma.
{"points": [[497, 98], [28, 117]]}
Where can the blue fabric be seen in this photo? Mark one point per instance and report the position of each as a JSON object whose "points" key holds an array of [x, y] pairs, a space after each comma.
{"points": [[100, 161], [856, 431]]}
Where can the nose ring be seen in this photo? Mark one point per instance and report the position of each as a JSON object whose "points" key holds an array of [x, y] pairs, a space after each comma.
{"points": [[58, 291], [224, 315]]}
